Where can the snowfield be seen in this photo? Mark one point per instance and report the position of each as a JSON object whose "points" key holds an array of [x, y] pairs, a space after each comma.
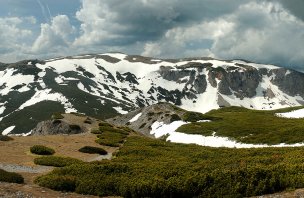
{"points": [[292, 114], [160, 129]]}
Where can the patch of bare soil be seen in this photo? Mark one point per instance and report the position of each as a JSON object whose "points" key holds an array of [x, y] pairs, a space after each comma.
{"points": [[15, 156], [8, 190], [299, 193]]}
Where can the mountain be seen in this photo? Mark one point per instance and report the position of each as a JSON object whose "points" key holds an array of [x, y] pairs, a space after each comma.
{"points": [[110, 84]]}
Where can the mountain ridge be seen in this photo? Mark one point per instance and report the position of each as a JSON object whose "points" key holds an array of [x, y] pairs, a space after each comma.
{"points": [[109, 84]]}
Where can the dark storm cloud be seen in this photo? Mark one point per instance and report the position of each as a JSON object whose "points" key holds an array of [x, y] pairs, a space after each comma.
{"points": [[296, 7]]}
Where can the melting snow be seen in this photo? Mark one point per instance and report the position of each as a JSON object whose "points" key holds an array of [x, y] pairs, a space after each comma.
{"points": [[2, 109], [135, 117], [8, 130], [43, 95], [120, 110], [292, 114], [160, 129]]}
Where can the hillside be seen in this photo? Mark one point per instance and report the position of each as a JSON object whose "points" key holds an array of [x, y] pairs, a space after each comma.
{"points": [[107, 85], [140, 166]]}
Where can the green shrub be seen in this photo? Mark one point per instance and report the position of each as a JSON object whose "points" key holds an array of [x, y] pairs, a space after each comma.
{"points": [[10, 177], [105, 124], [191, 116], [5, 138], [113, 138], [57, 116], [174, 117], [95, 131], [56, 161], [93, 150], [41, 150], [59, 183], [110, 143]]}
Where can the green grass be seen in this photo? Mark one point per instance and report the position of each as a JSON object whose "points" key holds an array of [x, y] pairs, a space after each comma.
{"points": [[153, 168], [10, 177], [93, 150], [250, 126], [56, 161], [5, 138], [42, 150]]}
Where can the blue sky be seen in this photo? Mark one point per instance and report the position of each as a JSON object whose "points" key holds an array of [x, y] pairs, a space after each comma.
{"points": [[264, 31]]}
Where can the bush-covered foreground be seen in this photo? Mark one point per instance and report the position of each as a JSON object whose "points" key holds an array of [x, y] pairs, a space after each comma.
{"points": [[56, 161], [248, 126], [42, 150], [10, 177], [153, 168], [93, 150], [5, 138], [109, 135]]}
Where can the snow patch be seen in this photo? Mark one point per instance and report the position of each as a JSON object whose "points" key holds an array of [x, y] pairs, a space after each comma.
{"points": [[120, 110], [135, 117], [160, 129], [43, 95], [8, 130], [2, 109], [292, 114]]}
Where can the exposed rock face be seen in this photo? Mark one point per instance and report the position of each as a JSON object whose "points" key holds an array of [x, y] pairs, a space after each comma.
{"points": [[54, 127], [291, 83], [162, 112]]}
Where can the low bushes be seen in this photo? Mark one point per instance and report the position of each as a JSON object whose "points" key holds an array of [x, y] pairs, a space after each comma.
{"points": [[10, 177], [5, 138], [93, 150], [58, 182], [41, 150], [174, 117], [153, 168], [191, 116], [111, 138], [57, 115], [56, 161]]}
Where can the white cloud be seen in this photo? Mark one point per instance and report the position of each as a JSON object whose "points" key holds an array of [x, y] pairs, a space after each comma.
{"points": [[261, 32], [54, 36], [11, 33], [278, 40], [195, 40]]}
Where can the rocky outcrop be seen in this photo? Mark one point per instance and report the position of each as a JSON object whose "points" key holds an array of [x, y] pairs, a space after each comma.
{"points": [[161, 112], [290, 82], [54, 127]]}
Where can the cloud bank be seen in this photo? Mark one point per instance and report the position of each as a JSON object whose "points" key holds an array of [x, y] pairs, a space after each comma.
{"points": [[265, 31]]}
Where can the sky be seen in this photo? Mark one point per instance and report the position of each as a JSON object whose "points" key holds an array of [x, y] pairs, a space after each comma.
{"points": [[263, 31]]}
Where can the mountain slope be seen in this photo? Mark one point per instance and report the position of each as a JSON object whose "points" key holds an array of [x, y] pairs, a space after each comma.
{"points": [[106, 85]]}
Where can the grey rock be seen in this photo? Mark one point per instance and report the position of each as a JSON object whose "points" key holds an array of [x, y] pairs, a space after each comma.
{"points": [[54, 127]]}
